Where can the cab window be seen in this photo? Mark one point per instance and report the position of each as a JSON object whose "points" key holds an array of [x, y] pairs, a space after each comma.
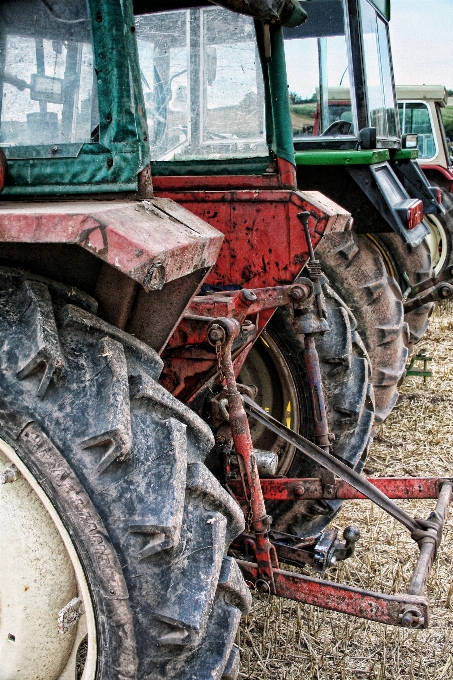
{"points": [[415, 117], [318, 74], [46, 73], [203, 85]]}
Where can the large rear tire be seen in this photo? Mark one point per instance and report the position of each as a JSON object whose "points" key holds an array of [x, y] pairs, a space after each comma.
{"points": [[356, 272], [413, 265], [119, 463]]}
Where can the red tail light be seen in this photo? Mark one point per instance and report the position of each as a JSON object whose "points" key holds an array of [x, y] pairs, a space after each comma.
{"points": [[439, 195], [414, 214]]}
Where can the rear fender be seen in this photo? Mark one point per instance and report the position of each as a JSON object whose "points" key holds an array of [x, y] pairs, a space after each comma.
{"points": [[383, 188], [154, 253]]}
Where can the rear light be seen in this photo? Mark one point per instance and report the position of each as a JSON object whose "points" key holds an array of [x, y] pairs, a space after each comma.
{"points": [[411, 212], [438, 195], [414, 214]]}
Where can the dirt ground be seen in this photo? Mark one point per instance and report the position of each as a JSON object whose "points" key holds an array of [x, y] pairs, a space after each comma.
{"points": [[282, 640]]}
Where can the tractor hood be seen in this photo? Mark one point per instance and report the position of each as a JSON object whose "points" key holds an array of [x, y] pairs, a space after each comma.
{"points": [[287, 12]]}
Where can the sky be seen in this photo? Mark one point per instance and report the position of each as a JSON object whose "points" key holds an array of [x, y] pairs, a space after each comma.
{"points": [[421, 33]]}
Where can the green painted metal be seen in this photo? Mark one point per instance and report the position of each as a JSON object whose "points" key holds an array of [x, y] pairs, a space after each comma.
{"points": [[232, 166], [419, 372], [405, 154], [341, 157], [112, 164], [282, 143]]}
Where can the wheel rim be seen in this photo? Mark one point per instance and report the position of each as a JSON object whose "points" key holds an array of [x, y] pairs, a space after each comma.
{"points": [[267, 368], [389, 266], [437, 243], [40, 574]]}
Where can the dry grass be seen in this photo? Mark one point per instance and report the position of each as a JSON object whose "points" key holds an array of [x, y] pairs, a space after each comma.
{"points": [[282, 640]]}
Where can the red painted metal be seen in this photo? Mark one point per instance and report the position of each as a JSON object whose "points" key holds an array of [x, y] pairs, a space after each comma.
{"points": [[265, 554], [152, 242], [190, 360], [446, 172], [284, 489], [365, 604], [264, 243], [3, 169]]}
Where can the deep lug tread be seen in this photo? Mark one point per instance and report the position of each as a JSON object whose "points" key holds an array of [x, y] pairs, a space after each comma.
{"points": [[46, 349], [74, 318], [200, 481], [375, 301], [200, 435], [416, 264], [113, 517], [160, 527], [117, 436], [231, 671], [192, 583], [233, 586]]}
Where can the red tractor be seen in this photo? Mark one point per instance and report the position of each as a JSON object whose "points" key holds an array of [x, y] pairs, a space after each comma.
{"points": [[158, 288]]}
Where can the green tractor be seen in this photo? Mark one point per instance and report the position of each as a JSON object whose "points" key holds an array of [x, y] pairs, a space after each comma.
{"points": [[348, 144]]}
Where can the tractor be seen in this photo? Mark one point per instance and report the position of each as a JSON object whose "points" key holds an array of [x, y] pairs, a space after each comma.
{"points": [[184, 399], [348, 145], [420, 112]]}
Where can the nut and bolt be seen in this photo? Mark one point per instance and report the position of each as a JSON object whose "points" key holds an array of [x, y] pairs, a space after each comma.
{"points": [[411, 617], [445, 291], [247, 296], [297, 293], [299, 490], [9, 475], [216, 333]]}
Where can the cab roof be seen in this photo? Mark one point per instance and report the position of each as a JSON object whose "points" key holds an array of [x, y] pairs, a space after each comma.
{"points": [[433, 93]]}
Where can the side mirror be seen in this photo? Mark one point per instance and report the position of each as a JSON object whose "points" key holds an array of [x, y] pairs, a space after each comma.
{"points": [[367, 138]]}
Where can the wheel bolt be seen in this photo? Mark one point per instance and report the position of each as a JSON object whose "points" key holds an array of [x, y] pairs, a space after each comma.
{"points": [[299, 490], [296, 293], [11, 474]]}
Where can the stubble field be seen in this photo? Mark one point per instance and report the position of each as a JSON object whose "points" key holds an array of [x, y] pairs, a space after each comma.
{"points": [[283, 640]]}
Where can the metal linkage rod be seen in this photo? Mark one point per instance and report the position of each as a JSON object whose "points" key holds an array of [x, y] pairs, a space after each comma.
{"points": [[336, 466], [428, 546]]}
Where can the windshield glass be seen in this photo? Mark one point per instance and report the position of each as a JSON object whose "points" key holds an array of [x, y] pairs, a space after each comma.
{"points": [[318, 74], [203, 84], [379, 80], [415, 117], [46, 73]]}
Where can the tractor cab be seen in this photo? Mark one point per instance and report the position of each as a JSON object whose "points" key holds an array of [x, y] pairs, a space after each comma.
{"points": [[340, 76]]}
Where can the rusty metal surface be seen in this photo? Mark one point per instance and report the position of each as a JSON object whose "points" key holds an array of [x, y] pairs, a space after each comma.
{"points": [[153, 241], [311, 489], [264, 244], [366, 604], [190, 360], [428, 546]]}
